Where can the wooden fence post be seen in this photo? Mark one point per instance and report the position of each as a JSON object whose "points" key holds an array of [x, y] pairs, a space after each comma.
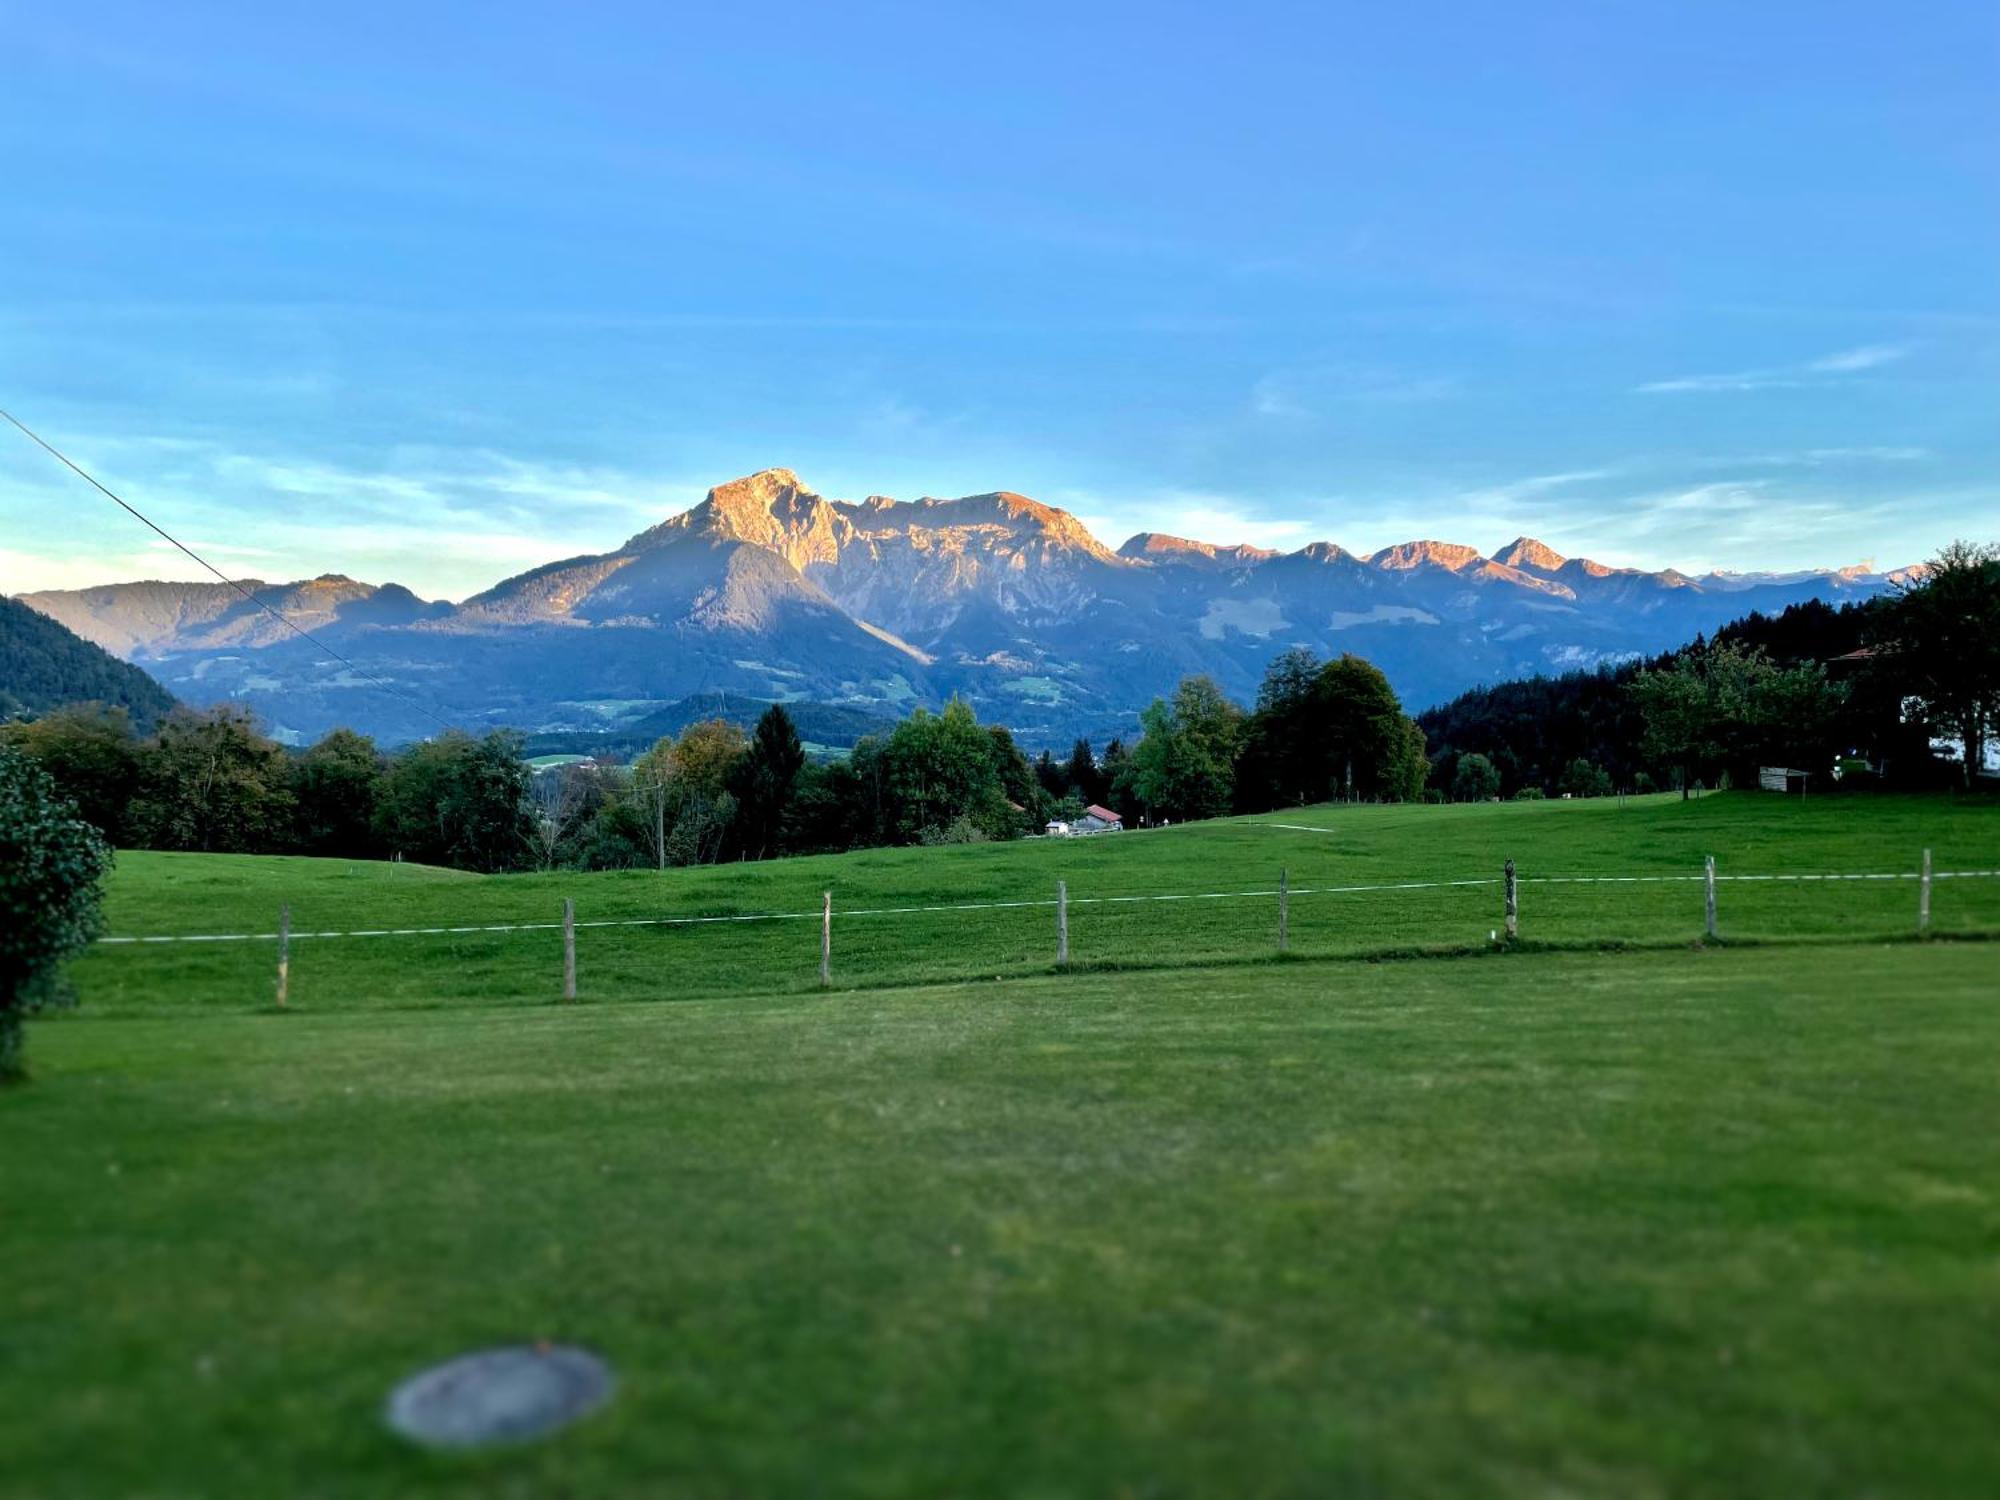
{"points": [[569, 949], [1284, 908], [825, 939], [284, 953], [1513, 904], [1924, 896], [1062, 923], [1708, 885]]}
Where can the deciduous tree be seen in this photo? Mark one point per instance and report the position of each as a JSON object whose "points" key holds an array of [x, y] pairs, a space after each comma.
{"points": [[1185, 763], [335, 787], [938, 768], [1943, 636], [211, 781], [92, 755], [456, 800], [1476, 779]]}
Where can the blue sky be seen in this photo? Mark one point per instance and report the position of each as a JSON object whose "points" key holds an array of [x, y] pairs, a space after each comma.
{"points": [[437, 293]]}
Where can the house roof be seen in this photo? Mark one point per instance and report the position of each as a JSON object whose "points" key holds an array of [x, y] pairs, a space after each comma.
{"points": [[1104, 814]]}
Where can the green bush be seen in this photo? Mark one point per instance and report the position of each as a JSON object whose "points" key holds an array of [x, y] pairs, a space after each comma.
{"points": [[1582, 779], [960, 830], [1530, 794], [52, 868], [1475, 780]]}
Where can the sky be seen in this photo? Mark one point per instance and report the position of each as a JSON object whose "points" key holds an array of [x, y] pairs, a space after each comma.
{"points": [[434, 294]]}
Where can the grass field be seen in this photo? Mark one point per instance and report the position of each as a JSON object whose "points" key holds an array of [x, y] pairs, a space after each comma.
{"points": [[155, 894], [1668, 1221]]}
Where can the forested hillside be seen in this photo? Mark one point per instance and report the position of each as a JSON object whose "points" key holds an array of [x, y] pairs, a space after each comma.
{"points": [[1534, 730], [44, 665]]}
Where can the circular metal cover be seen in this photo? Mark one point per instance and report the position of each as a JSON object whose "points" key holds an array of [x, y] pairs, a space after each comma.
{"points": [[500, 1395]]}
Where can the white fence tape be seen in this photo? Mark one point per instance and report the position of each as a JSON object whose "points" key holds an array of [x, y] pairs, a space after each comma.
{"points": [[971, 906]]}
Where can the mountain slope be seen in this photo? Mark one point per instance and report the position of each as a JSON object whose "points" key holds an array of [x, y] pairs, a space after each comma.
{"points": [[768, 589], [43, 665]]}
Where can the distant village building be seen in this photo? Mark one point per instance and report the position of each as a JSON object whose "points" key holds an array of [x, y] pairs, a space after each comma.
{"points": [[1095, 819]]}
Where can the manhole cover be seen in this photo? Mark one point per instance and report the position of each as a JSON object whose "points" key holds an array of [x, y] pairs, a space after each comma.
{"points": [[500, 1395]]}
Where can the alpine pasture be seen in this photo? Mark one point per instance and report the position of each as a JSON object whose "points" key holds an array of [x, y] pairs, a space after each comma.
{"points": [[1616, 1210]]}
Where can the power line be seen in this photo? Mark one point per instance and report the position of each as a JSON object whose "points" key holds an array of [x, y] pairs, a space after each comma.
{"points": [[133, 511]]}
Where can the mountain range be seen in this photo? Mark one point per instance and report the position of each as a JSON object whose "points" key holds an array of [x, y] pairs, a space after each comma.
{"points": [[769, 590]]}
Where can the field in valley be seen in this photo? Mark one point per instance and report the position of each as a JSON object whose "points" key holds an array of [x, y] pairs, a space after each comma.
{"points": [[1616, 1213], [909, 933]]}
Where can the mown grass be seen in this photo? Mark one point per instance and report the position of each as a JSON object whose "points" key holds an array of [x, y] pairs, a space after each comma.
{"points": [[1670, 1223], [1749, 833]]}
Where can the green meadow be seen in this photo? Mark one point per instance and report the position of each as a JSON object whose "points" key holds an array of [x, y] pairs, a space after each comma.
{"points": [[1320, 850], [1613, 1212]]}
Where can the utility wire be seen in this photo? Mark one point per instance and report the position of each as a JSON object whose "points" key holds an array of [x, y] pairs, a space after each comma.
{"points": [[133, 511]]}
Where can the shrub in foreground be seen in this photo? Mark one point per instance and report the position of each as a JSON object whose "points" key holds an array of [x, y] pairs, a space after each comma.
{"points": [[52, 867]]}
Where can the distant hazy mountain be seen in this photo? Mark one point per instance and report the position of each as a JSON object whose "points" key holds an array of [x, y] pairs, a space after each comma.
{"points": [[43, 666], [769, 590]]}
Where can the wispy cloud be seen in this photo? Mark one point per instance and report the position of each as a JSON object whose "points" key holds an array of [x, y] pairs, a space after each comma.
{"points": [[1220, 519], [1814, 458], [1867, 357], [442, 521], [1313, 391], [1781, 377]]}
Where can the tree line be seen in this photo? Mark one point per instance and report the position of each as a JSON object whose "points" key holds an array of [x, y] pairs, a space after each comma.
{"points": [[209, 779], [1867, 689]]}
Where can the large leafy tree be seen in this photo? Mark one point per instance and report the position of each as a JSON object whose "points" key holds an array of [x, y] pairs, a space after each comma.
{"points": [[1475, 779], [1942, 634], [1184, 765], [940, 771], [52, 867], [1367, 750], [1679, 708], [212, 782], [1729, 707], [1328, 730], [829, 810], [335, 787], [456, 800], [681, 791], [91, 753], [1280, 762]]}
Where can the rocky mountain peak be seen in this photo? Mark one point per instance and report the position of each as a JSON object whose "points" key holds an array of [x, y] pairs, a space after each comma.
{"points": [[1525, 552], [1447, 555], [1016, 517], [772, 508], [1160, 547], [752, 502], [1325, 552]]}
